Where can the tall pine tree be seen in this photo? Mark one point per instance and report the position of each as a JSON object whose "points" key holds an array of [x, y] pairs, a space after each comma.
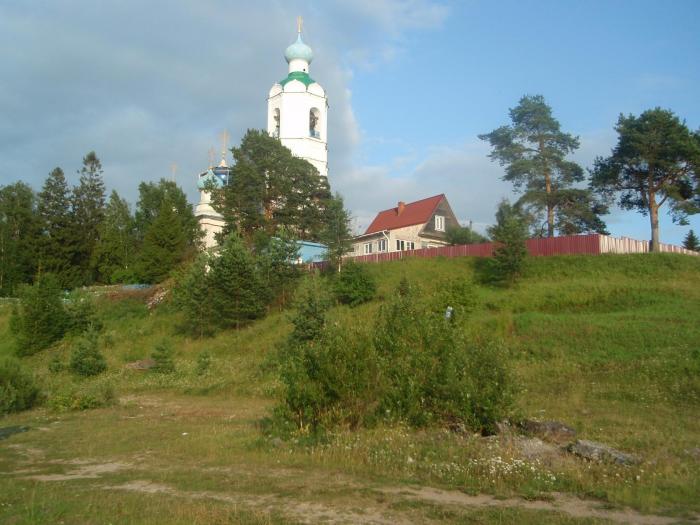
{"points": [[88, 204], [115, 251], [56, 243], [164, 245], [19, 232]]}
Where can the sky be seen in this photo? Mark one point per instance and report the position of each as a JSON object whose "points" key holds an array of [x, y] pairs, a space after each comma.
{"points": [[411, 84]]}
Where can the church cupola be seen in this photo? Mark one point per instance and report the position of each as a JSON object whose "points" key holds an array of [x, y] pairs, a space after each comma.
{"points": [[299, 55]]}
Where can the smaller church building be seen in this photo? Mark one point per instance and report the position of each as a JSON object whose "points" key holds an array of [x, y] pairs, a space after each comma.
{"points": [[408, 226]]}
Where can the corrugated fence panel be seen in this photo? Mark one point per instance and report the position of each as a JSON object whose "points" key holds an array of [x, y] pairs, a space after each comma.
{"points": [[593, 244]]}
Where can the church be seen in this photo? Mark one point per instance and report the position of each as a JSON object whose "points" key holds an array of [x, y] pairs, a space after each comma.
{"points": [[297, 114]]}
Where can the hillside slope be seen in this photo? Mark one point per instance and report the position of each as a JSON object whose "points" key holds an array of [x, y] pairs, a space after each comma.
{"points": [[609, 345]]}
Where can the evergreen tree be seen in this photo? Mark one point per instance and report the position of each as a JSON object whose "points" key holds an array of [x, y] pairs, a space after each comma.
{"points": [[115, 251], [239, 292], [164, 245], [41, 319], [151, 198], [193, 295], [86, 358], [163, 357], [656, 160], [276, 259], [271, 188], [19, 236], [691, 242], [88, 205], [534, 149], [460, 235], [510, 231], [336, 232], [56, 244]]}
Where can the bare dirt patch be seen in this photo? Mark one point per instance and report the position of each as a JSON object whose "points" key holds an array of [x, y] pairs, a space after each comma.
{"points": [[575, 507], [84, 472]]}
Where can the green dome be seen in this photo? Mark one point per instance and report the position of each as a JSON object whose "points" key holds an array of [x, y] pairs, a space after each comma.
{"points": [[299, 51], [208, 177]]}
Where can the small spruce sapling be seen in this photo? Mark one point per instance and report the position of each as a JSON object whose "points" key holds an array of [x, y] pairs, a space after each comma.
{"points": [[163, 357], [510, 232], [691, 242], [86, 359], [203, 363]]}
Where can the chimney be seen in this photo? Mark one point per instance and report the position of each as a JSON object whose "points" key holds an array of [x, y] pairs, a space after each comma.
{"points": [[400, 208]]}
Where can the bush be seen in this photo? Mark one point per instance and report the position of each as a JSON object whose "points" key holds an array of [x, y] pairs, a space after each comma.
{"points": [[354, 285], [82, 397], [18, 391], [163, 357], [81, 314], [86, 359], [418, 368], [203, 363], [41, 319]]}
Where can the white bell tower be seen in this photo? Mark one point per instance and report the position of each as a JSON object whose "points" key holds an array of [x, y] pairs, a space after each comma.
{"points": [[297, 108]]}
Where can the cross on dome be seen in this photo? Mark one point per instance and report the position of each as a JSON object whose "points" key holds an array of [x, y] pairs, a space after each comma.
{"points": [[299, 50]]}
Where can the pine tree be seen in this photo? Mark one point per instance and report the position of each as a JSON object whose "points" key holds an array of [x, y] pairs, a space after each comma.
{"points": [[336, 233], [193, 295], [115, 251], [164, 245], [151, 198], [163, 357], [691, 242], [88, 204], [239, 292], [510, 231], [19, 237], [56, 244], [534, 149], [41, 319], [656, 161]]}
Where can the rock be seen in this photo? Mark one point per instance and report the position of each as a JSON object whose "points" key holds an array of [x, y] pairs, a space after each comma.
{"points": [[535, 448], [552, 431], [6, 432], [143, 364], [594, 451]]}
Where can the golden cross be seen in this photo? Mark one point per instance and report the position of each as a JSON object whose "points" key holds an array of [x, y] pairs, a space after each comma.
{"points": [[211, 157], [300, 24], [224, 140]]}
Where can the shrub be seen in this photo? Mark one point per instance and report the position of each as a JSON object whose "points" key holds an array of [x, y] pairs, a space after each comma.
{"points": [[55, 365], [354, 285], [203, 363], [86, 359], [82, 397], [81, 314], [41, 319], [18, 391], [163, 357]]}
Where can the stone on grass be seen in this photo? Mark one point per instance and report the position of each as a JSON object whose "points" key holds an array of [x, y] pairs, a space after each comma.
{"points": [[552, 431], [602, 453], [142, 364]]}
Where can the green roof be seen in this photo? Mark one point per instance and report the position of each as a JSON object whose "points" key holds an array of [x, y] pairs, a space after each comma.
{"points": [[301, 76]]}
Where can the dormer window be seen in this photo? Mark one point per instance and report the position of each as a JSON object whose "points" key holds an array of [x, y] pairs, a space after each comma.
{"points": [[439, 223]]}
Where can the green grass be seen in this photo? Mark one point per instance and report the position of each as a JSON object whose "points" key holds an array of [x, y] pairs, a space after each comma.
{"points": [[609, 345]]}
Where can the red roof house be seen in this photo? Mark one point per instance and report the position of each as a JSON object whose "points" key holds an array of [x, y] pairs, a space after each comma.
{"points": [[408, 226]]}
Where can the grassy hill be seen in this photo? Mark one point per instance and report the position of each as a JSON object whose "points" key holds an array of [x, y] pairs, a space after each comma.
{"points": [[609, 345]]}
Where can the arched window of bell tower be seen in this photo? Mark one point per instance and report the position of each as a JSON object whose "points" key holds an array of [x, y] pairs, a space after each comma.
{"points": [[276, 118], [314, 123]]}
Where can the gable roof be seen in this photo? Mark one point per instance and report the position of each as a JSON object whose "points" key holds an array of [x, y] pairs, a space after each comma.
{"points": [[418, 212]]}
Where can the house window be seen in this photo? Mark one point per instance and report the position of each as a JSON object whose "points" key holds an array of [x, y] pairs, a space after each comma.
{"points": [[439, 223], [382, 245], [405, 245], [368, 248]]}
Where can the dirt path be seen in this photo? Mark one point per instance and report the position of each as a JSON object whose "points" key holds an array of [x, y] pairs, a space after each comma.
{"points": [[355, 502]]}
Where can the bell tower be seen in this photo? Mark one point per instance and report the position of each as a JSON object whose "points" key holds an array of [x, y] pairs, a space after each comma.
{"points": [[297, 108]]}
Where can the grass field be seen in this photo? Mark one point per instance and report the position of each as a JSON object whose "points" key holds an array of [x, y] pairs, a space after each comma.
{"points": [[609, 345]]}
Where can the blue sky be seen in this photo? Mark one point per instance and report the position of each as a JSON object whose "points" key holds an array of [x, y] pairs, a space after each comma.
{"points": [[411, 84]]}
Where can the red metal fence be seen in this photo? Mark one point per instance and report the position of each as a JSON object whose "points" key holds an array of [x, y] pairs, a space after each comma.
{"points": [[592, 244]]}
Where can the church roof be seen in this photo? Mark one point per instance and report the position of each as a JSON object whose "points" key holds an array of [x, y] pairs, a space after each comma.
{"points": [[299, 51], [418, 212], [301, 76]]}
